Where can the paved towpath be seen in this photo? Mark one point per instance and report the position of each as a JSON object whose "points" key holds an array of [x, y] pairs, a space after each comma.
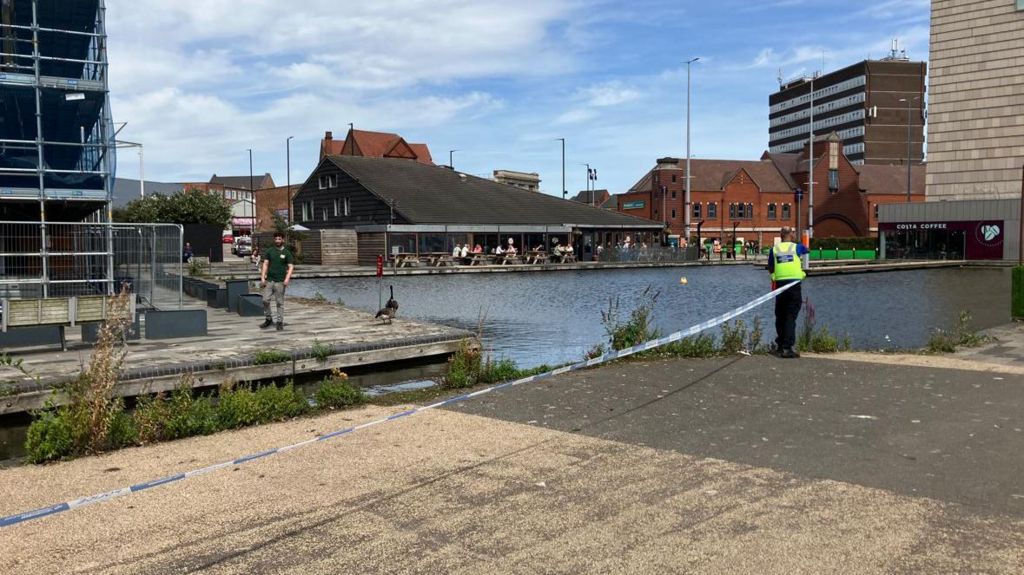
{"points": [[734, 465]]}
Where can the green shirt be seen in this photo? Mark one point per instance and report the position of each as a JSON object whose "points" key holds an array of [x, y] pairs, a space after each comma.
{"points": [[280, 259]]}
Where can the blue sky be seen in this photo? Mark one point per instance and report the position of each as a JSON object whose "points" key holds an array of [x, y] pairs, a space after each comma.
{"points": [[201, 81]]}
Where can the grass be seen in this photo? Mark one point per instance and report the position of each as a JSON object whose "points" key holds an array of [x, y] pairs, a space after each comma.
{"points": [[320, 350]]}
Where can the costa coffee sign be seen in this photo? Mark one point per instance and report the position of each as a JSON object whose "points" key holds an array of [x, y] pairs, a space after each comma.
{"points": [[982, 240]]}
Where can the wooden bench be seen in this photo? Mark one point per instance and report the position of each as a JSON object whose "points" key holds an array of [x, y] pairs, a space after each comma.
{"points": [[59, 312], [536, 257]]}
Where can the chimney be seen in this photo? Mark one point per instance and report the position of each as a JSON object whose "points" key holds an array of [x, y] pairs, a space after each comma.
{"points": [[328, 135]]}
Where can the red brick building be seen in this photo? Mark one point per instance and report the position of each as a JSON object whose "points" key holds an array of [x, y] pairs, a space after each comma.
{"points": [[374, 145], [756, 198]]}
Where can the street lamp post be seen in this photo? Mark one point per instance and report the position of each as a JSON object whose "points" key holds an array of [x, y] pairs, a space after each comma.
{"points": [[245, 206], [909, 102], [563, 166], [288, 176], [686, 201]]}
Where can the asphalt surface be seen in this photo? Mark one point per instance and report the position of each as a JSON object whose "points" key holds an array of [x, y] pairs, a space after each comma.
{"points": [[738, 465], [952, 435]]}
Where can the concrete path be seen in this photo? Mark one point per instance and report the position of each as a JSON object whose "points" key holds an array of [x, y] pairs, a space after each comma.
{"points": [[736, 465]]}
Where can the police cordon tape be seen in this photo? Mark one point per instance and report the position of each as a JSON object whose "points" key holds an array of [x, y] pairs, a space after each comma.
{"points": [[101, 497]]}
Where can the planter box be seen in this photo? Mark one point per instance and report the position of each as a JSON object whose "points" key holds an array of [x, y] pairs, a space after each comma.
{"points": [[175, 323]]}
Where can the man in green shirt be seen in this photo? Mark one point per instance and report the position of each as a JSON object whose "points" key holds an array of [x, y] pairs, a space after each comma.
{"points": [[275, 273]]}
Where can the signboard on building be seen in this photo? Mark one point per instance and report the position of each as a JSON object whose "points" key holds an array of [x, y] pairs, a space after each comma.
{"points": [[634, 205], [983, 240]]}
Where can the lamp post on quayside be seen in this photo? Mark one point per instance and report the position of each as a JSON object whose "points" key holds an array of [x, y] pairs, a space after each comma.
{"points": [[686, 201], [563, 166], [909, 101], [288, 169], [245, 205]]}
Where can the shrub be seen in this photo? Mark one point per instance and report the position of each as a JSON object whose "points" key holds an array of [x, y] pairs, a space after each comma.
{"points": [[501, 370], [49, 437], [242, 406], [188, 415], [336, 392], [463, 367]]}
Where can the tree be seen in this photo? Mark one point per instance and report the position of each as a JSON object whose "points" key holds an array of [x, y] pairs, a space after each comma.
{"points": [[186, 207]]}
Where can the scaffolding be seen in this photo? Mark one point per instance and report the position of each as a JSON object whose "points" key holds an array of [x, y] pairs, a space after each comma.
{"points": [[57, 149]]}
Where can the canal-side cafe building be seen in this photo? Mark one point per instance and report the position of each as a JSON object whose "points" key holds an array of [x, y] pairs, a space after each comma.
{"points": [[397, 206], [967, 229]]}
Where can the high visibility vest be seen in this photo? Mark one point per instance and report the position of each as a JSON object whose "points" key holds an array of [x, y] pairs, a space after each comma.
{"points": [[787, 263]]}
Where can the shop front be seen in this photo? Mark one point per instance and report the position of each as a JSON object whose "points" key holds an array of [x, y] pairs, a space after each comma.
{"points": [[952, 240]]}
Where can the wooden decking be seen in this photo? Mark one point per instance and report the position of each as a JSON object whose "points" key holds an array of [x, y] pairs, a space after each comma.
{"points": [[228, 352]]}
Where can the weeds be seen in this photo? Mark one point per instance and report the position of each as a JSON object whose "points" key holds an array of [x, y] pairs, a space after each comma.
{"points": [[634, 330], [320, 350], [270, 356], [962, 335], [195, 268], [818, 339]]}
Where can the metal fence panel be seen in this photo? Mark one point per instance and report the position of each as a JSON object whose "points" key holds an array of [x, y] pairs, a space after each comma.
{"points": [[64, 259]]}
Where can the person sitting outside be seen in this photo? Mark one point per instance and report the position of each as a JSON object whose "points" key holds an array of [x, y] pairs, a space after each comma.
{"points": [[464, 253], [478, 249], [186, 253], [456, 251]]}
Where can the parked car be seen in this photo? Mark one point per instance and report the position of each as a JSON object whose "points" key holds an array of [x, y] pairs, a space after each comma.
{"points": [[227, 238], [243, 246]]}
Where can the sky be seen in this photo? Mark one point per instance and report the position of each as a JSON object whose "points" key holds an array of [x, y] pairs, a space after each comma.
{"points": [[200, 82]]}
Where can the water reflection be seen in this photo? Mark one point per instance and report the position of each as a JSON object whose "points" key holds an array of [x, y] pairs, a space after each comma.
{"points": [[555, 317]]}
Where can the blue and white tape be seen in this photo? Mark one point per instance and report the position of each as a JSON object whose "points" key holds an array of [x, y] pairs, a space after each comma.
{"points": [[101, 497]]}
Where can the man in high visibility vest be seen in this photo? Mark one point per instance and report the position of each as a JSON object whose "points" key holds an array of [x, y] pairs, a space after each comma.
{"points": [[785, 266]]}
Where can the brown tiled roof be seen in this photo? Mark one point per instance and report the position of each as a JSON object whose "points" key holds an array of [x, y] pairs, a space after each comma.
{"points": [[373, 145], [438, 195], [879, 179]]}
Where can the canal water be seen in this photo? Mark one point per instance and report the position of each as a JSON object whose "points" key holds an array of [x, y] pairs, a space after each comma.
{"points": [[555, 317]]}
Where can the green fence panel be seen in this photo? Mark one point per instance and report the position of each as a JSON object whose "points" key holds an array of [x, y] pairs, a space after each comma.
{"points": [[864, 254], [845, 254]]}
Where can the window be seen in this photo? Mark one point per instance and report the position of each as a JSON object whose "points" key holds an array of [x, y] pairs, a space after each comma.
{"points": [[833, 181], [786, 212], [673, 180], [305, 211], [732, 211], [337, 207], [773, 211], [750, 211], [324, 213], [876, 205], [328, 181], [696, 210], [712, 210], [348, 207], [673, 194], [673, 213]]}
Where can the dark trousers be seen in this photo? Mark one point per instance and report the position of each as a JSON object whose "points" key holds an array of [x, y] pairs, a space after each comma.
{"points": [[787, 307]]}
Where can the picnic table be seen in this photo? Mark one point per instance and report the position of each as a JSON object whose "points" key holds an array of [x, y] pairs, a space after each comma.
{"points": [[406, 260], [536, 257], [439, 259], [480, 259], [506, 259]]}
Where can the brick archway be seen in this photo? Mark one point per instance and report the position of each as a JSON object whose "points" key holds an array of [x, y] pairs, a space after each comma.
{"points": [[836, 225]]}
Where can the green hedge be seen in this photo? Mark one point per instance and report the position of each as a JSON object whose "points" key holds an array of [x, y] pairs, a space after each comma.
{"points": [[844, 243]]}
